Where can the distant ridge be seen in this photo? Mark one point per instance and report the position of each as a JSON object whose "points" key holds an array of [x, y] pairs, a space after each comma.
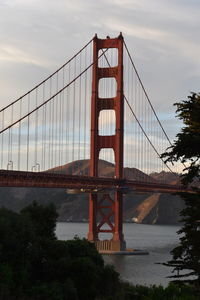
{"points": [[105, 169]]}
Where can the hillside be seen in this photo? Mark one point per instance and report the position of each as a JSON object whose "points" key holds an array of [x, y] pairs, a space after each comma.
{"points": [[105, 169], [167, 177], [146, 207]]}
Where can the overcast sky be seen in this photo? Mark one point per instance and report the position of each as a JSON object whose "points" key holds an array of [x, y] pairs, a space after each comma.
{"points": [[163, 36]]}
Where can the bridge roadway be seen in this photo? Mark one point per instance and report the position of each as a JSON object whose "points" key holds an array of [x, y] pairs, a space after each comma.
{"points": [[86, 183]]}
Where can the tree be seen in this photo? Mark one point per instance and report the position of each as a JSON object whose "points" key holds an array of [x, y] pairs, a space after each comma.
{"points": [[35, 265], [43, 219], [186, 256], [186, 148]]}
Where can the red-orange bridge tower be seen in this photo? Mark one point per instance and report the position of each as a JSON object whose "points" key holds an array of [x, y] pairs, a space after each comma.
{"points": [[105, 212]]}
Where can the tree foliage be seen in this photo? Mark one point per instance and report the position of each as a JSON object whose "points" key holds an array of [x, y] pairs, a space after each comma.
{"points": [[186, 147], [186, 256], [171, 292], [35, 265]]}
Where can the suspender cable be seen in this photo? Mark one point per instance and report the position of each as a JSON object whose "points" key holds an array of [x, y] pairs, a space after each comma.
{"points": [[28, 129], [49, 77], [50, 98], [2, 141], [19, 136], [146, 94], [146, 134]]}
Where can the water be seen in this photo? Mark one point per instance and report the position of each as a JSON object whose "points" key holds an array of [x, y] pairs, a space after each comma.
{"points": [[157, 239]]}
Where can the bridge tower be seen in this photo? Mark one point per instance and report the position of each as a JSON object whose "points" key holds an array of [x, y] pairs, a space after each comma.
{"points": [[112, 216]]}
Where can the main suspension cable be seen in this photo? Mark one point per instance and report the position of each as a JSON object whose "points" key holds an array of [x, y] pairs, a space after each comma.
{"points": [[52, 97], [144, 132], [148, 99], [141, 127], [46, 79]]}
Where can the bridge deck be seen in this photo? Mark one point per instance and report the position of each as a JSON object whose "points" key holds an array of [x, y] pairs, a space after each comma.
{"points": [[52, 180]]}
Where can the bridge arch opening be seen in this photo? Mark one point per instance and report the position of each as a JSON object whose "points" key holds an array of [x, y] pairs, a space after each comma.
{"points": [[107, 87], [109, 59], [106, 163], [107, 122], [105, 236]]}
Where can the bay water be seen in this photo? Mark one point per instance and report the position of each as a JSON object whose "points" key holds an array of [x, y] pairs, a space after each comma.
{"points": [[158, 240]]}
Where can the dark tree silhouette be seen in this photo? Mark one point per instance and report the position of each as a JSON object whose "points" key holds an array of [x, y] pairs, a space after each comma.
{"points": [[186, 148], [35, 265]]}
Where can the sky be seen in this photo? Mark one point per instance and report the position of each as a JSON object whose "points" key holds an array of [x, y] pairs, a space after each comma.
{"points": [[38, 36]]}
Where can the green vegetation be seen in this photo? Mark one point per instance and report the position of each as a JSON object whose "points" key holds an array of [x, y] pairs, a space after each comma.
{"points": [[172, 292], [186, 148], [186, 256], [35, 265]]}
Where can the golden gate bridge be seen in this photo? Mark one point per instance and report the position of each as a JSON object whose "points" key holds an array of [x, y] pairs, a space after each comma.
{"points": [[93, 108]]}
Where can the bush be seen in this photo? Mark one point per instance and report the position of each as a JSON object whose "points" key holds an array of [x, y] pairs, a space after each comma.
{"points": [[35, 265]]}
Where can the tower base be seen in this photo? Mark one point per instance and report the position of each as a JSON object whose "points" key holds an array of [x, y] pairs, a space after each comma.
{"points": [[109, 245], [125, 252]]}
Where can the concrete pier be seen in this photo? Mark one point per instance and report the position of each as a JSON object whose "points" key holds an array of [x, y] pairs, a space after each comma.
{"points": [[125, 252], [109, 247]]}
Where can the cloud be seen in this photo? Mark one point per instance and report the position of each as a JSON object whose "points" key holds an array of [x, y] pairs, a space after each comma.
{"points": [[36, 37], [14, 55]]}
